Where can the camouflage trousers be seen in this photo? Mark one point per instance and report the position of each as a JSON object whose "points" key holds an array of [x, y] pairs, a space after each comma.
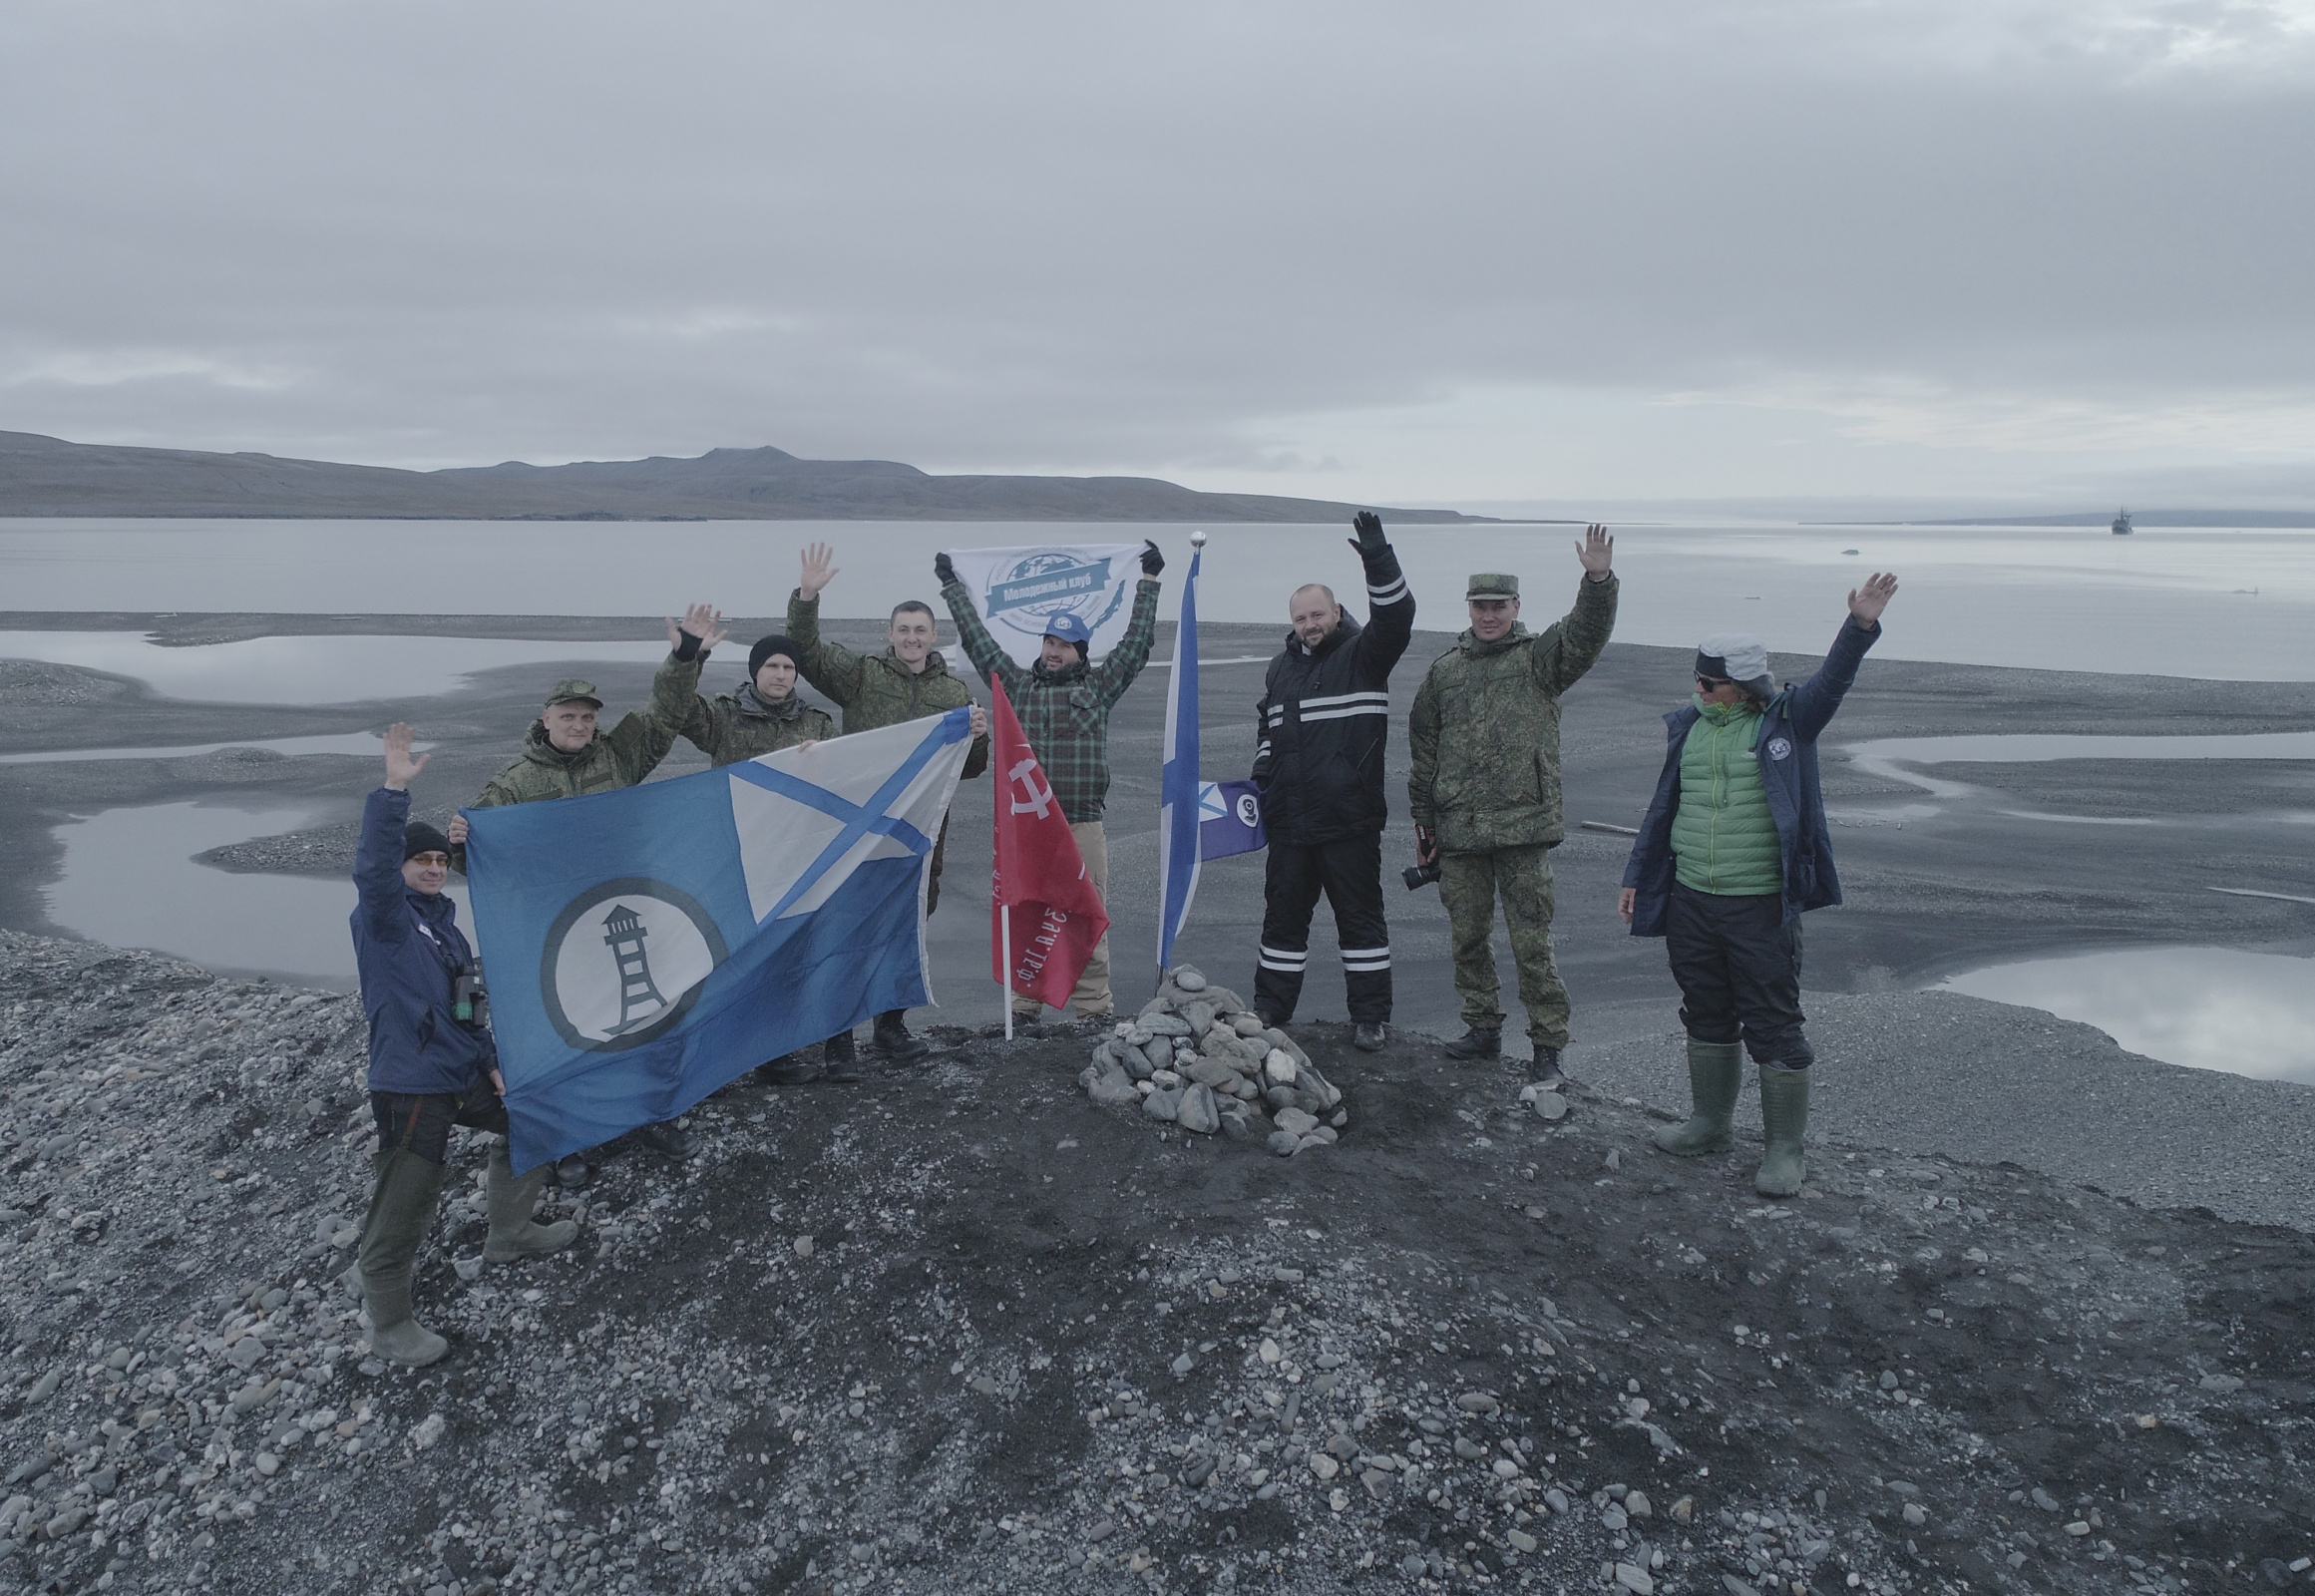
{"points": [[1469, 886]]}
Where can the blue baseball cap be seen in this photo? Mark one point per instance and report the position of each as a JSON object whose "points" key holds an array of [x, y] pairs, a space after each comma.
{"points": [[1068, 629]]}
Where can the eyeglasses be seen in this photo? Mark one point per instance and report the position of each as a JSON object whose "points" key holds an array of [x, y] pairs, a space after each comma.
{"points": [[1708, 683]]}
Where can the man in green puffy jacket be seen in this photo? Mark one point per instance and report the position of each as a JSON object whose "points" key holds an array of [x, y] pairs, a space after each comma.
{"points": [[566, 754], [1485, 792], [908, 681]]}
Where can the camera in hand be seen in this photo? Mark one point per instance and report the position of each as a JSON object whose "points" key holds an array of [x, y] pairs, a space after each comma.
{"points": [[470, 1003], [1420, 876]]}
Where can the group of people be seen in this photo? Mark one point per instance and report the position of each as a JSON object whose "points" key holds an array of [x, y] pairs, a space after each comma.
{"points": [[1733, 850]]}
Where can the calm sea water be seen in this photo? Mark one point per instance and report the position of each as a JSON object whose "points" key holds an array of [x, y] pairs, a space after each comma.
{"points": [[2223, 604]]}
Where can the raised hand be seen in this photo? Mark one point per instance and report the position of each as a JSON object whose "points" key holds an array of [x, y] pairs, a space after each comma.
{"points": [[1867, 602], [1151, 560], [401, 763], [1368, 526], [817, 572], [703, 621], [1597, 551], [943, 568]]}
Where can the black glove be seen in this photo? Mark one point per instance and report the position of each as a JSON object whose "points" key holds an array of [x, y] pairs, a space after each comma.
{"points": [[943, 568], [1151, 560], [1370, 541]]}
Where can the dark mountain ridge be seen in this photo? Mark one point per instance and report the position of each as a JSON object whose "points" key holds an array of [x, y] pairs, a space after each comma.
{"points": [[42, 475]]}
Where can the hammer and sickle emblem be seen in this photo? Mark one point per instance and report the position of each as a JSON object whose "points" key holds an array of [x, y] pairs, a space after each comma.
{"points": [[1040, 799]]}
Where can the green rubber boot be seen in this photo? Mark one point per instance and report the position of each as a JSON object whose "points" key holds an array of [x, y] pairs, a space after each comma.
{"points": [[1715, 1070], [513, 1233], [1783, 1122], [401, 1207]]}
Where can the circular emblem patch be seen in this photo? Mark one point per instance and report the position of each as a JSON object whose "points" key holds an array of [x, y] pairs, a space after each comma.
{"points": [[624, 962], [1249, 811], [1779, 747]]}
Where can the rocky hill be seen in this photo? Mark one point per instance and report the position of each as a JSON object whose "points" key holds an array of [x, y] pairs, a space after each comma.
{"points": [[41, 476], [962, 1329]]}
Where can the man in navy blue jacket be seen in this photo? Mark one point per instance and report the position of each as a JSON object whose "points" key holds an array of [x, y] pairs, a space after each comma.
{"points": [[429, 1068], [1734, 851]]}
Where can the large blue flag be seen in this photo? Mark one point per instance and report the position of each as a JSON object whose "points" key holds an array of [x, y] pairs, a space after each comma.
{"points": [[647, 946], [1178, 775]]}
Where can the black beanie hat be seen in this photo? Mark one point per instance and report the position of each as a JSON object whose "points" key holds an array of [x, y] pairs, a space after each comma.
{"points": [[776, 643], [420, 838]]}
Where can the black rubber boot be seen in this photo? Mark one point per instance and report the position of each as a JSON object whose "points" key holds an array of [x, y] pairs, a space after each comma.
{"points": [[892, 1037], [1783, 1122], [1715, 1070], [401, 1208], [789, 1070], [1476, 1044], [841, 1063]]}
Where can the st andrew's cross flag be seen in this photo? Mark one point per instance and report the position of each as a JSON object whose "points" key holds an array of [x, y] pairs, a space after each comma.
{"points": [[1045, 918], [1018, 591], [644, 948]]}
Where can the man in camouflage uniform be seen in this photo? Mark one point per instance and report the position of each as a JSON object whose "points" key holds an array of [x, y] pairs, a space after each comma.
{"points": [[567, 755], [908, 681], [1485, 792], [1063, 702], [763, 716]]}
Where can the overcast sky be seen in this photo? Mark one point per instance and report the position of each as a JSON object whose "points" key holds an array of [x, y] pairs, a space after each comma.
{"points": [[2042, 253]]}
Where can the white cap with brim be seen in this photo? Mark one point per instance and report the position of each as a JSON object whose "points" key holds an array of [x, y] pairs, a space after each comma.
{"points": [[1737, 655]]}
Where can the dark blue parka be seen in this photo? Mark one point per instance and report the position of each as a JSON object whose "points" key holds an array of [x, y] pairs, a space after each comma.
{"points": [[406, 946], [1790, 728]]}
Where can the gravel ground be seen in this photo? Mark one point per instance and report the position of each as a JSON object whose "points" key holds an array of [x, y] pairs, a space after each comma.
{"points": [[958, 1330]]}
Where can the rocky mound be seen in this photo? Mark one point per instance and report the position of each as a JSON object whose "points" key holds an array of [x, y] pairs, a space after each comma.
{"points": [[961, 1329], [1198, 1058]]}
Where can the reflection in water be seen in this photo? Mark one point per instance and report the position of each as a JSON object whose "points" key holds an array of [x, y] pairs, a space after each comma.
{"points": [[130, 880], [368, 744], [307, 670], [2207, 1007]]}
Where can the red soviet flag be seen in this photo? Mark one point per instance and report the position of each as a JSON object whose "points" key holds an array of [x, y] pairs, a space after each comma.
{"points": [[1056, 916]]}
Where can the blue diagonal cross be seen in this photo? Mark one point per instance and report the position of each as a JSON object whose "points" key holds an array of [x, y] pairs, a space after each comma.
{"points": [[860, 820]]}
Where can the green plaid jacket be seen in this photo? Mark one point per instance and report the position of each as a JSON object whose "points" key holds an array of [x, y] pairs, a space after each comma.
{"points": [[1065, 714]]}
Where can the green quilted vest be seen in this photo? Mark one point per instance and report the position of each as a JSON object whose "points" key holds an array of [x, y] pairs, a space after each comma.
{"points": [[1723, 837]]}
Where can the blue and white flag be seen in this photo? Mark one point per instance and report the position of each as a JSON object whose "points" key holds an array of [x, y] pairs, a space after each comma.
{"points": [[1230, 819], [647, 946], [1178, 774], [1018, 591]]}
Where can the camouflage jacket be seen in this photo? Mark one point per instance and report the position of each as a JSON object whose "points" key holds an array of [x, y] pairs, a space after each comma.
{"points": [[1065, 714], [877, 689], [733, 726], [1484, 731], [620, 758]]}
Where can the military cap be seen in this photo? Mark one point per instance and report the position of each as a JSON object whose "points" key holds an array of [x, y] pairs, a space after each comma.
{"points": [[1493, 585], [573, 690]]}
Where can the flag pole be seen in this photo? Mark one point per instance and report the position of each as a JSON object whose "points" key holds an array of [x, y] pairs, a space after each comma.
{"points": [[1004, 934], [1178, 773]]}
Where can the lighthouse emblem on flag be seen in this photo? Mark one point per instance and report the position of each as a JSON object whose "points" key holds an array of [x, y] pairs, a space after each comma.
{"points": [[624, 960]]}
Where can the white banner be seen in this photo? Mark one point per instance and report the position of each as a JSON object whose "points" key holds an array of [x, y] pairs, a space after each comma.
{"points": [[1018, 590]]}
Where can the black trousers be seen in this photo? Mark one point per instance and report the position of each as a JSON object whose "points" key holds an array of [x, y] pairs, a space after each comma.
{"points": [[1350, 872], [1738, 967], [419, 1122]]}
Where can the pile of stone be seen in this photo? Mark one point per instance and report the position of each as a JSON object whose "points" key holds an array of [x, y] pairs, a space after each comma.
{"points": [[1196, 1056]]}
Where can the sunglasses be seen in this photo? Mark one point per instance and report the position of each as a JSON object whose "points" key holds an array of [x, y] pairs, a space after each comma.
{"points": [[1708, 683]]}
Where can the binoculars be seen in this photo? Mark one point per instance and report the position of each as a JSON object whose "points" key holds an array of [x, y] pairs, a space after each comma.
{"points": [[470, 1003]]}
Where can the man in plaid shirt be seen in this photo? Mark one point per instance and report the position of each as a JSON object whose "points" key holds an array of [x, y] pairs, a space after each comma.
{"points": [[1063, 702]]}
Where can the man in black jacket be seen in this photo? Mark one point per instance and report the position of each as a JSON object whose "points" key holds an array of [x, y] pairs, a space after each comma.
{"points": [[1324, 718]]}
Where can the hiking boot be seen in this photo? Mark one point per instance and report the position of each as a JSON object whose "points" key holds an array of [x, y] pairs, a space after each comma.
{"points": [[1783, 1122], [839, 1062], [574, 1170], [789, 1070], [1715, 1070], [401, 1209], [666, 1139], [1476, 1044], [1367, 1036], [1544, 1066], [893, 1038], [513, 1234]]}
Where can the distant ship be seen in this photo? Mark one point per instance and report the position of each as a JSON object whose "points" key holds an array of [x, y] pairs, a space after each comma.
{"points": [[2123, 528]]}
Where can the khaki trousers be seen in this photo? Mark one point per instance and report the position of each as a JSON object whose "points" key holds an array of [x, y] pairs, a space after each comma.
{"points": [[1091, 995]]}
